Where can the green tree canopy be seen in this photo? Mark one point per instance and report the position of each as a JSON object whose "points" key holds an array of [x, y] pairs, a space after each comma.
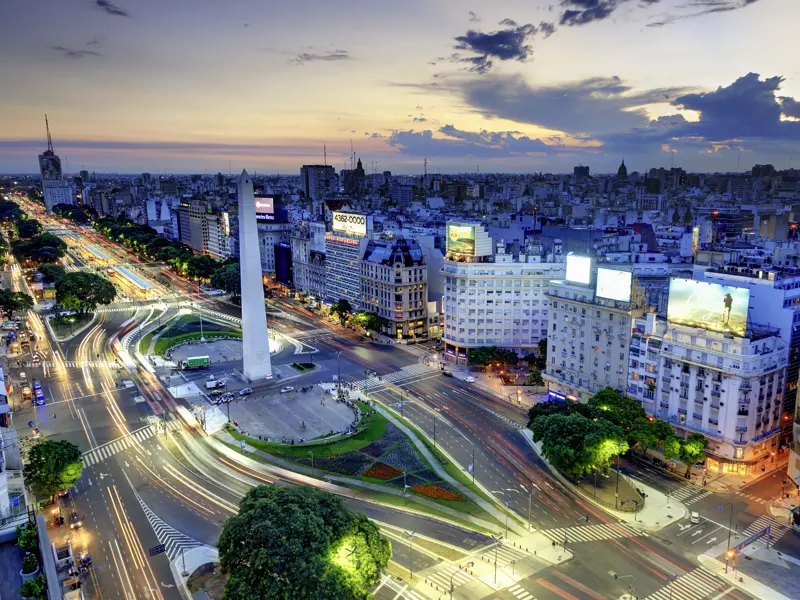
{"points": [[52, 272], [342, 309], [228, 278], [545, 409], [9, 211], [535, 378], [53, 466], [77, 214], [692, 450], [201, 267], [300, 542], [486, 355], [649, 434], [618, 409], [672, 446], [27, 228], [39, 249], [368, 320], [12, 302], [577, 445], [83, 291]]}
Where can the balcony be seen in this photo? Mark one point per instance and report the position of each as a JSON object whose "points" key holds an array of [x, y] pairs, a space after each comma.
{"points": [[715, 394], [715, 405], [664, 404], [741, 429], [743, 413]]}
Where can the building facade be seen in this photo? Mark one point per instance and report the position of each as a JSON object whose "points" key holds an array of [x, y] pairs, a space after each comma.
{"points": [[394, 285]]}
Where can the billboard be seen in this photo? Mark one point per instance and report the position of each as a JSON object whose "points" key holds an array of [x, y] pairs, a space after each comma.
{"points": [[614, 285], [695, 239], [350, 223], [461, 239], [579, 269], [711, 306], [265, 208]]}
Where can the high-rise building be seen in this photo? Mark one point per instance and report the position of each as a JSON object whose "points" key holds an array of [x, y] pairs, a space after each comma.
{"points": [[344, 247], [318, 181], [54, 188], [84, 176]]}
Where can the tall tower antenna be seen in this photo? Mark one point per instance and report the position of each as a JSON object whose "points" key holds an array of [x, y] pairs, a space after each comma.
{"points": [[324, 155], [352, 156], [426, 167], [49, 139], [738, 158]]}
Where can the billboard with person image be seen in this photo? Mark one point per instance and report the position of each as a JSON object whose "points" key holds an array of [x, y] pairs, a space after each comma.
{"points": [[711, 306]]}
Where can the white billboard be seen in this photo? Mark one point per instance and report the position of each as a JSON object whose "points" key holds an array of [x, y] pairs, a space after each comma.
{"points": [[350, 223], [579, 269], [614, 285]]}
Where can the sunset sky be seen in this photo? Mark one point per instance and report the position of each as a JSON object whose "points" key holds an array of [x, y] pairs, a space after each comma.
{"points": [[185, 86]]}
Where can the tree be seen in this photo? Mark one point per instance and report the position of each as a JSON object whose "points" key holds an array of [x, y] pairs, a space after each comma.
{"points": [[618, 409], [672, 447], [300, 542], [649, 434], [535, 378], [35, 589], [53, 466], [368, 320], [577, 445], [39, 249], [228, 278], [78, 214], [481, 356], [545, 409], [201, 267], [506, 357], [692, 450], [541, 360], [52, 272], [12, 302], [687, 216], [27, 228], [84, 291], [676, 217], [9, 211], [342, 309]]}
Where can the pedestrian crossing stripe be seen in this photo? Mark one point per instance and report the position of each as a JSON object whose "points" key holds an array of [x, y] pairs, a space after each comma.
{"points": [[593, 533], [694, 585], [505, 556], [752, 497], [442, 577], [685, 492], [174, 541], [79, 364], [777, 530], [113, 447], [395, 376], [700, 497], [520, 592]]}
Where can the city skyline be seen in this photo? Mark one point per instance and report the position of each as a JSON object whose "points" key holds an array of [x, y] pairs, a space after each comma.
{"points": [[519, 88]]}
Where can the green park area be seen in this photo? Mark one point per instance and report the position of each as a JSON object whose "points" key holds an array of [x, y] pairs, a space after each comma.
{"points": [[304, 367], [184, 329], [67, 325]]}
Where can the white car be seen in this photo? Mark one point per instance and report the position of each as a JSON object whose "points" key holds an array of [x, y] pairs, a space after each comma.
{"points": [[469, 379], [695, 518], [287, 389]]}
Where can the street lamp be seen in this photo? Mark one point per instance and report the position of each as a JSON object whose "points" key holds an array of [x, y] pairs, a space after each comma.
{"points": [[311, 452], [410, 538], [498, 542], [616, 493], [730, 527], [339, 370], [630, 587], [469, 564]]}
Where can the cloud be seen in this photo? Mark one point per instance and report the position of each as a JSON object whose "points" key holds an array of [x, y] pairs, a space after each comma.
{"points": [[329, 56], [700, 8], [790, 107], [547, 29], [455, 142], [420, 119], [69, 53], [581, 12], [111, 8], [473, 18], [506, 44], [590, 106], [96, 42]]}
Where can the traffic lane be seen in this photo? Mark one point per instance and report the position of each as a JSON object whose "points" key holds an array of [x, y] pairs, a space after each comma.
{"points": [[656, 478], [368, 355], [469, 394], [410, 558], [492, 470]]}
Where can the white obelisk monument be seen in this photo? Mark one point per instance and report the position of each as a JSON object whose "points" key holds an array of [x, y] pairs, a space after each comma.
{"points": [[255, 337]]}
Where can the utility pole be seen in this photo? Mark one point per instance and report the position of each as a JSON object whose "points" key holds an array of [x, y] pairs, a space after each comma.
{"points": [[410, 538]]}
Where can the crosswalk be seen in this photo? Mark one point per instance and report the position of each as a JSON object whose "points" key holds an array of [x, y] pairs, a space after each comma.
{"points": [[694, 585], [395, 377], [753, 497], [108, 450], [174, 541], [310, 333], [777, 530], [689, 494], [441, 578], [593, 533], [700, 496], [505, 556], [520, 592], [79, 364]]}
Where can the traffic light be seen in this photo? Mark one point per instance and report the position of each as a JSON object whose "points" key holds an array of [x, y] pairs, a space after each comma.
{"points": [[730, 554]]}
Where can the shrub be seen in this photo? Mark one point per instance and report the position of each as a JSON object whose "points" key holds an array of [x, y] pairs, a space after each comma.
{"points": [[382, 471], [27, 539], [438, 493], [30, 563], [34, 588]]}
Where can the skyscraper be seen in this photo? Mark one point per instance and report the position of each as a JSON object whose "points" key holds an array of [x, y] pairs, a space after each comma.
{"points": [[54, 188]]}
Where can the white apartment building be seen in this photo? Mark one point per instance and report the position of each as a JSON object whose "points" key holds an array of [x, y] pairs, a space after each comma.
{"points": [[501, 303], [270, 234], [308, 259], [588, 341], [725, 387]]}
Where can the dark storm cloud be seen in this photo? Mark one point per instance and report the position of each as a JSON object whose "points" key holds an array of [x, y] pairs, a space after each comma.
{"points": [[547, 29], [111, 8], [510, 43], [790, 107], [483, 144], [330, 56], [591, 106], [581, 12], [70, 53]]}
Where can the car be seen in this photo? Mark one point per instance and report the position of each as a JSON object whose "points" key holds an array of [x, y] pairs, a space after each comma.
{"points": [[469, 379], [447, 373], [75, 520], [216, 393], [695, 518], [37, 385], [245, 391], [287, 389]]}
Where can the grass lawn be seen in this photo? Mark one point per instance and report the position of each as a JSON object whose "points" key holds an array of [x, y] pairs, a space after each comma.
{"points": [[304, 367], [66, 326], [165, 343], [374, 430]]}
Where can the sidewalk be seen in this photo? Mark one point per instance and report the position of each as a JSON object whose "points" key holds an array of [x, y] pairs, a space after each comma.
{"points": [[659, 510]]}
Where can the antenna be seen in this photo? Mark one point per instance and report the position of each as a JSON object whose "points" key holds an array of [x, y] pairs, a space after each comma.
{"points": [[738, 158], [426, 167], [230, 171], [49, 139], [352, 156], [325, 155]]}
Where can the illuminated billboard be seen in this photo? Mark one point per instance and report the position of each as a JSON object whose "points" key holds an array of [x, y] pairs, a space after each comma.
{"points": [[695, 240], [350, 223], [265, 208], [711, 306], [613, 284], [579, 269], [461, 239]]}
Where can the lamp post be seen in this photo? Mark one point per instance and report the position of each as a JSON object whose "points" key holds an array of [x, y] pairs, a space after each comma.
{"points": [[410, 538], [469, 564], [434, 432], [473, 465], [498, 543], [616, 493], [339, 371], [311, 452], [729, 553]]}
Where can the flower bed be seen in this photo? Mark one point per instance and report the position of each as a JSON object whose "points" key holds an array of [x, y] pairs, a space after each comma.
{"points": [[428, 474], [389, 439], [438, 493], [344, 464], [382, 471], [410, 481], [404, 456]]}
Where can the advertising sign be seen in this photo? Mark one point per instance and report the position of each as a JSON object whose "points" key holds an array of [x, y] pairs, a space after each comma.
{"points": [[265, 208], [614, 285], [710, 306], [350, 223], [579, 269], [461, 239], [695, 239]]}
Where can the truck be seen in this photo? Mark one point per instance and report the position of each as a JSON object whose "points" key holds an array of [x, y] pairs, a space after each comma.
{"points": [[213, 384], [195, 362]]}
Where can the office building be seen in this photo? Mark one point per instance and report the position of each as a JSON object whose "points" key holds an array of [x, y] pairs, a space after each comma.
{"points": [[394, 285], [308, 260], [344, 247], [318, 181], [55, 190]]}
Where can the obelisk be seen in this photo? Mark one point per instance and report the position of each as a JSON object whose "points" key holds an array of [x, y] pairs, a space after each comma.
{"points": [[255, 338]]}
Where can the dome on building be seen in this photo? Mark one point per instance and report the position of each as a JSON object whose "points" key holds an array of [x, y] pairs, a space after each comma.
{"points": [[622, 172]]}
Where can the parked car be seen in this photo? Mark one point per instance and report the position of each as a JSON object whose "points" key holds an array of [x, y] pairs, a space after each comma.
{"points": [[447, 373], [37, 385], [469, 379], [75, 520], [245, 391], [287, 389], [695, 518], [216, 393]]}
